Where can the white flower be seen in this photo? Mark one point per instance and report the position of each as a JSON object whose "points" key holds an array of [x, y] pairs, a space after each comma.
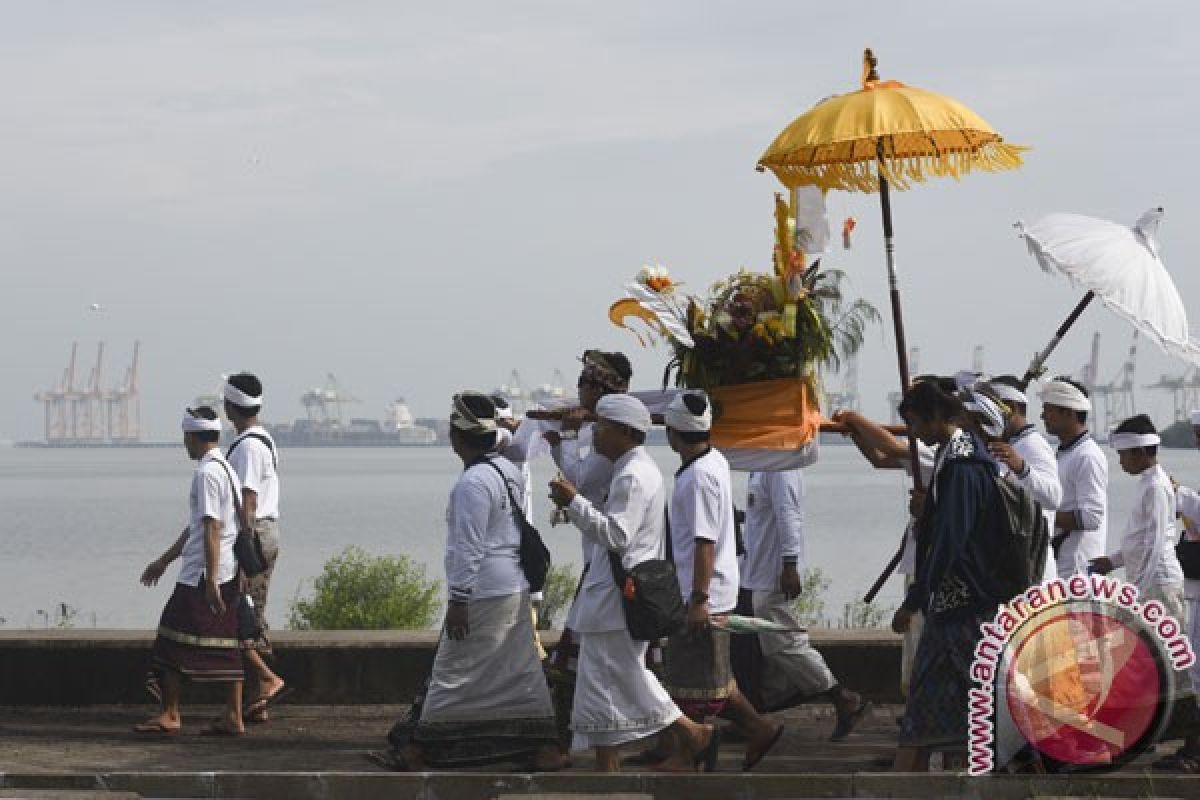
{"points": [[645, 274]]}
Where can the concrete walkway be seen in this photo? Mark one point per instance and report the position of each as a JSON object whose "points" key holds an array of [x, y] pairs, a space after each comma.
{"points": [[316, 751]]}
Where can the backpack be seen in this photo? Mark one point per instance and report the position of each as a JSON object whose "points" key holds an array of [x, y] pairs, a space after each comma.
{"points": [[1015, 541]]}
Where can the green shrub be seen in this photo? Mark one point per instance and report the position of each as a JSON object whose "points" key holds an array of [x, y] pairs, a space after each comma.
{"points": [[810, 605], [557, 594], [358, 591], [861, 614]]}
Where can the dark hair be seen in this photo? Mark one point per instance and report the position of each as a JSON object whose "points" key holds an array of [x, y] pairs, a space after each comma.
{"points": [[620, 362], [928, 400], [483, 407], [500, 401], [944, 382], [1140, 423], [205, 412], [639, 437], [693, 437]]}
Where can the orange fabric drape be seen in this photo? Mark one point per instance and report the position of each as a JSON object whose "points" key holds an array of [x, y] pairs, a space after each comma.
{"points": [[769, 415]]}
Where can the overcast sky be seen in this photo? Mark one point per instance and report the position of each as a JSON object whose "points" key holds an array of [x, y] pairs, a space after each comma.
{"points": [[423, 197]]}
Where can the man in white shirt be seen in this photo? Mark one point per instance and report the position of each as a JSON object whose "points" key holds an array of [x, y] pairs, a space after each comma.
{"points": [[487, 700], [1080, 523], [255, 459], [617, 699], [701, 526], [794, 669], [197, 634], [1027, 455], [1147, 553]]}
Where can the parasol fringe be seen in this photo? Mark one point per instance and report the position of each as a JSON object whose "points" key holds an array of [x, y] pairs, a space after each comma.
{"points": [[903, 171]]}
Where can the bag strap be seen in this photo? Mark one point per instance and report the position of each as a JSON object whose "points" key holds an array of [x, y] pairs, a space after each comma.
{"points": [[237, 501], [264, 439], [518, 511]]}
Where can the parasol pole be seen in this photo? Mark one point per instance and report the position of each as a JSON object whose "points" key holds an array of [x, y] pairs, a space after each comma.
{"points": [[885, 202], [1038, 365]]}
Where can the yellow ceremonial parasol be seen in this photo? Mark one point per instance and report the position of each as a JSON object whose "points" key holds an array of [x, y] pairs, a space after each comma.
{"points": [[886, 135]]}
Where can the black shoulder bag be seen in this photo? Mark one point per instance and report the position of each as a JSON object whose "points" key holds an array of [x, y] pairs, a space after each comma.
{"points": [[1188, 553], [247, 547], [650, 594], [533, 554]]}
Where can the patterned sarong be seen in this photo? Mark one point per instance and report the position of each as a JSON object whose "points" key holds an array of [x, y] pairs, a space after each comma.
{"points": [[194, 641]]}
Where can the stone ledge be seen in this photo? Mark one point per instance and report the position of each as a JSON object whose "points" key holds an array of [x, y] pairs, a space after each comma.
{"points": [[490, 786], [106, 667]]}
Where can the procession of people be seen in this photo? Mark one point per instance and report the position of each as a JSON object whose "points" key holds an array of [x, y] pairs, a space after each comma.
{"points": [[491, 697]]}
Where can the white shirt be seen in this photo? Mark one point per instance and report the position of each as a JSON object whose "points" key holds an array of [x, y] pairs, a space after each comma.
{"points": [[1083, 473], [632, 524], [255, 466], [926, 457], [1040, 478], [774, 527], [1187, 503], [702, 508], [210, 497], [1148, 546], [506, 446], [482, 540]]}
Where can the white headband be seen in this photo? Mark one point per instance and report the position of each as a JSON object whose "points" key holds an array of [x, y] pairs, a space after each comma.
{"points": [[993, 418], [625, 410], [199, 424], [240, 398], [681, 418], [1064, 395], [1008, 393], [1195, 416], [1128, 441]]}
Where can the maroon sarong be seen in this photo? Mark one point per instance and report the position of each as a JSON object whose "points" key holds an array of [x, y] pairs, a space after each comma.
{"points": [[194, 641]]}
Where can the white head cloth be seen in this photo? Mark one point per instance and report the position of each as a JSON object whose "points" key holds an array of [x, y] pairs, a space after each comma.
{"points": [[240, 398], [1009, 394], [1128, 441], [503, 409], [991, 418], [464, 419], [681, 418], [1195, 416], [199, 424], [624, 409], [967, 378], [1064, 395]]}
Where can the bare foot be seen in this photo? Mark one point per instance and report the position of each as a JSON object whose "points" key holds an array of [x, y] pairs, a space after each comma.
{"points": [[161, 724]]}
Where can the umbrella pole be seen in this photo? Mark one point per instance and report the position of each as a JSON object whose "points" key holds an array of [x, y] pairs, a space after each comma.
{"points": [[885, 202], [1037, 366]]}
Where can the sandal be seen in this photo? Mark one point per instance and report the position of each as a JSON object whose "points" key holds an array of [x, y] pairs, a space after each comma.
{"points": [[266, 701], [388, 759], [1179, 761], [750, 763], [156, 727], [846, 724]]}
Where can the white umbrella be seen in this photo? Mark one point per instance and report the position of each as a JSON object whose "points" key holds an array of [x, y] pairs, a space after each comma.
{"points": [[1122, 267]]}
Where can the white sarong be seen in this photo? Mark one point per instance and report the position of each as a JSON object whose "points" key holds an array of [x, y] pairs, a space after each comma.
{"points": [[617, 700]]}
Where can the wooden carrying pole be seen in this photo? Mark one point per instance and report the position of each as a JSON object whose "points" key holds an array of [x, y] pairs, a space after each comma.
{"points": [[885, 202]]}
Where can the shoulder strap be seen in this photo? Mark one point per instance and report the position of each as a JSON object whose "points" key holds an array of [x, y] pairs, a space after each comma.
{"points": [[517, 510], [237, 501], [265, 440]]}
